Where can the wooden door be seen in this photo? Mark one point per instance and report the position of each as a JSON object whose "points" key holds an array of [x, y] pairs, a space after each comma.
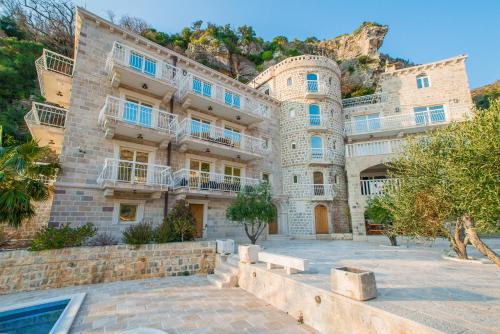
{"points": [[197, 211], [273, 227], [321, 219]]}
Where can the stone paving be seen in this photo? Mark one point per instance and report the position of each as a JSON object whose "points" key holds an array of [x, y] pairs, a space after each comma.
{"points": [[413, 280], [172, 304]]}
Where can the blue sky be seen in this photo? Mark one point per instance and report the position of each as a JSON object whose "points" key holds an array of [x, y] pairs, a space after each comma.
{"points": [[422, 31]]}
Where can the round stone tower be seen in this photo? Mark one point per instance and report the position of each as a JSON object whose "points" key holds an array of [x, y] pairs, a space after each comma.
{"points": [[312, 144]]}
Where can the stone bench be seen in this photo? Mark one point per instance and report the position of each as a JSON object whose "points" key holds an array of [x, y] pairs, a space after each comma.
{"points": [[289, 263]]}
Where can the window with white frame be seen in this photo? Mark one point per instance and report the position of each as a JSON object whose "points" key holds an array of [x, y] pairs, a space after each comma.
{"points": [[128, 212], [366, 123], [429, 115], [314, 115], [293, 113], [422, 81], [289, 82], [138, 112], [266, 177], [312, 82], [317, 148]]}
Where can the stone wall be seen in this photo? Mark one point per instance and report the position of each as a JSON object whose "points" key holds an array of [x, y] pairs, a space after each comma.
{"points": [[23, 270], [28, 228]]}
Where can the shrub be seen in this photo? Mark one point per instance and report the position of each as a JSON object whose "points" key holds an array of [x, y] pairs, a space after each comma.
{"points": [[363, 59], [165, 232], [362, 91], [65, 236], [103, 239], [182, 221], [139, 234], [267, 55]]}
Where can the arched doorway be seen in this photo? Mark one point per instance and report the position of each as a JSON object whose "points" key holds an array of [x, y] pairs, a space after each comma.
{"points": [[273, 226], [321, 219], [318, 181]]}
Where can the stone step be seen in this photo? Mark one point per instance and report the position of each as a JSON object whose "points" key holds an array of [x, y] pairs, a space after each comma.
{"points": [[272, 237], [225, 274]]}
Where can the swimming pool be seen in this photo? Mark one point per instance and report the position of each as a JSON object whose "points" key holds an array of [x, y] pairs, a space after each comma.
{"points": [[48, 316]]}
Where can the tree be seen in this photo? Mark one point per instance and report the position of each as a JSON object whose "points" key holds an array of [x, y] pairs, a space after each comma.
{"points": [[452, 174], [378, 211], [253, 209], [182, 220], [22, 180]]}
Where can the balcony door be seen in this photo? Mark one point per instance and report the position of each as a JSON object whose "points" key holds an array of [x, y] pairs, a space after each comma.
{"points": [[317, 152], [312, 82], [314, 115], [232, 136], [199, 174], [365, 123], [232, 178], [133, 166], [201, 129], [137, 112], [429, 115], [319, 188]]}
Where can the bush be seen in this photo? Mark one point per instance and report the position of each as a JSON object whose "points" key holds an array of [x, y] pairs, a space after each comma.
{"points": [[65, 236], [182, 221], [362, 91], [139, 234], [103, 239], [165, 232], [364, 59], [267, 55]]}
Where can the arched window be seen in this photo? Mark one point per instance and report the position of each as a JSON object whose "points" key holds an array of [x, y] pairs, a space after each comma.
{"points": [[319, 188], [312, 82], [292, 113], [314, 115], [289, 81], [422, 81], [317, 148]]}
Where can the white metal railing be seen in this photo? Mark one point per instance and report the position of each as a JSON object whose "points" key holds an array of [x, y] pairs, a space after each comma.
{"points": [[394, 122], [376, 186], [132, 172], [136, 114], [374, 148], [197, 180], [214, 134], [45, 114], [320, 155], [362, 100], [141, 62], [54, 62], [315, 121], [189, 82], [310, 190]]}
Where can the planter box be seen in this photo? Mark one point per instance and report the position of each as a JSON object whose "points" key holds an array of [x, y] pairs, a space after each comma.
{"points": [[225, 246], [354, 283], [248, 253]]}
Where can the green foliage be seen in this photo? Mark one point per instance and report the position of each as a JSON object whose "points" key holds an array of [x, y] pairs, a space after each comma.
{"points": [[165, 232], [363, 59], [139, 234], [182, 221], [362, 91], [483, 95], [450, 173], [253, 209], [267, 55], [65, 236], [20, 180]]}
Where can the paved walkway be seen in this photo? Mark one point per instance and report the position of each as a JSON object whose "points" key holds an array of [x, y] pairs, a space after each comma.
{"points": [[413, 282], [172, 304]]}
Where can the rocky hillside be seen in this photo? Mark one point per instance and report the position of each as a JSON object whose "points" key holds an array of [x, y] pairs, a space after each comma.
{"points": [[482, 95], [241, 55]]}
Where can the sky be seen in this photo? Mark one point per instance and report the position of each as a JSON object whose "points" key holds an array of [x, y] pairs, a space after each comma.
{"points": [[421, 31]]}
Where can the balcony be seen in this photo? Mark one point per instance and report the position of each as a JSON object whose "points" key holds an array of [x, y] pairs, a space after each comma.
{"points": [[135, 69], [316, 123], [122, 118], [315, 192], [194, 182], [371, 148], [202, 137], [376, 186], [364, 100], [215, 99], [55, 74], [320, 156], [132, 176], [316, 89], [391, 125], [46, 124]]}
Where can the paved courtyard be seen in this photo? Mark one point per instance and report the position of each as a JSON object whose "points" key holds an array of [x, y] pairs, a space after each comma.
{"points": [[173, 304], [413, 282]]}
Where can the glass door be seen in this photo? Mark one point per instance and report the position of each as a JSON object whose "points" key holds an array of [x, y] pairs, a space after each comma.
{"points": [[199, 174], [133, 166], [232, 178]]}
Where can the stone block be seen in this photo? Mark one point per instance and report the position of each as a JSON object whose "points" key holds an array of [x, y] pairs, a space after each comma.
{"points": [[289, 263], [248, 253], [354, 283], [225, 246]]}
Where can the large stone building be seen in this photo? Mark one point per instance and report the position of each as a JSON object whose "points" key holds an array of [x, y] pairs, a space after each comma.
{"points": [[139, 127]]}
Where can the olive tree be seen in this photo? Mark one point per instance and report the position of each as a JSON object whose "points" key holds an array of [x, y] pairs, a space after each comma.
{"points": [[253, 209], [451, 175], [378, 210]]}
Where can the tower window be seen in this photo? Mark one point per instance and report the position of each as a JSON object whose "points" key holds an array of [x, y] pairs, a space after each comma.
{"points": [[422, 81], [295, 179], [289, 82]]}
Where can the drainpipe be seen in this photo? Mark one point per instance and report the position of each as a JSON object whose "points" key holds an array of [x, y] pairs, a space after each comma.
{"points": [[169, 148]]}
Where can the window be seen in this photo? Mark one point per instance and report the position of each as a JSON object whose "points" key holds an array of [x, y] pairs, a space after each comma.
{"points": [[199, 174], [294, 146], [150, 67], [266, 91], [232, 99], [138, 112], [266, 177], [132, 166], [295, 179], [289, 82], [330, 81], [334, 145], [314, 115], [233, 135], [265, 143], [200, 128], [335, 179], [202, 87], [429, 115], [422, 81], [136, 61], [292, 113], [365, 123], [128, 212], [316, 148], [312, 82], [232, 178]]}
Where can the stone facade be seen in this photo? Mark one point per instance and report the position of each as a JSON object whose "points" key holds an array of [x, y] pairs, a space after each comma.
{"points": [[23, 270]]}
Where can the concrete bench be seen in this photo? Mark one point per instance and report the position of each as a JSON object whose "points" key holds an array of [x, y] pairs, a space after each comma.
{"points": [[289, 263]]}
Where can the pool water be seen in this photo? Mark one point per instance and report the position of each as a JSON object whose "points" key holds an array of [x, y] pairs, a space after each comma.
{"points": [[38, 319]]}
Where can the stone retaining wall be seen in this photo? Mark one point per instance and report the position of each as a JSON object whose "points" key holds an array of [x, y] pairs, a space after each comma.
{"points": [[23, 270]]}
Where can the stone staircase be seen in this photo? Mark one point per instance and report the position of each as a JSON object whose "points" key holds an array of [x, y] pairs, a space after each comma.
{"points": [[226, 273], [276, 237]]}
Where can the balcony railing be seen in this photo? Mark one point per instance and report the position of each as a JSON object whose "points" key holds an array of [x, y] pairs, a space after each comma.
{"points": [[132, 172], [195, 84], [217, 135], [320, 155], [197, 180], [44, 114], [141, 62], [376, 186], [140, 115], [311, 190], [53, 62], [314, 121], [374, 148], [396, 122], [363, 100]]}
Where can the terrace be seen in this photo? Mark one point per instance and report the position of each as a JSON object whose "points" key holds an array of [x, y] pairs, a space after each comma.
{"points": [[46, 123], [55, 76], [315, 192]]}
